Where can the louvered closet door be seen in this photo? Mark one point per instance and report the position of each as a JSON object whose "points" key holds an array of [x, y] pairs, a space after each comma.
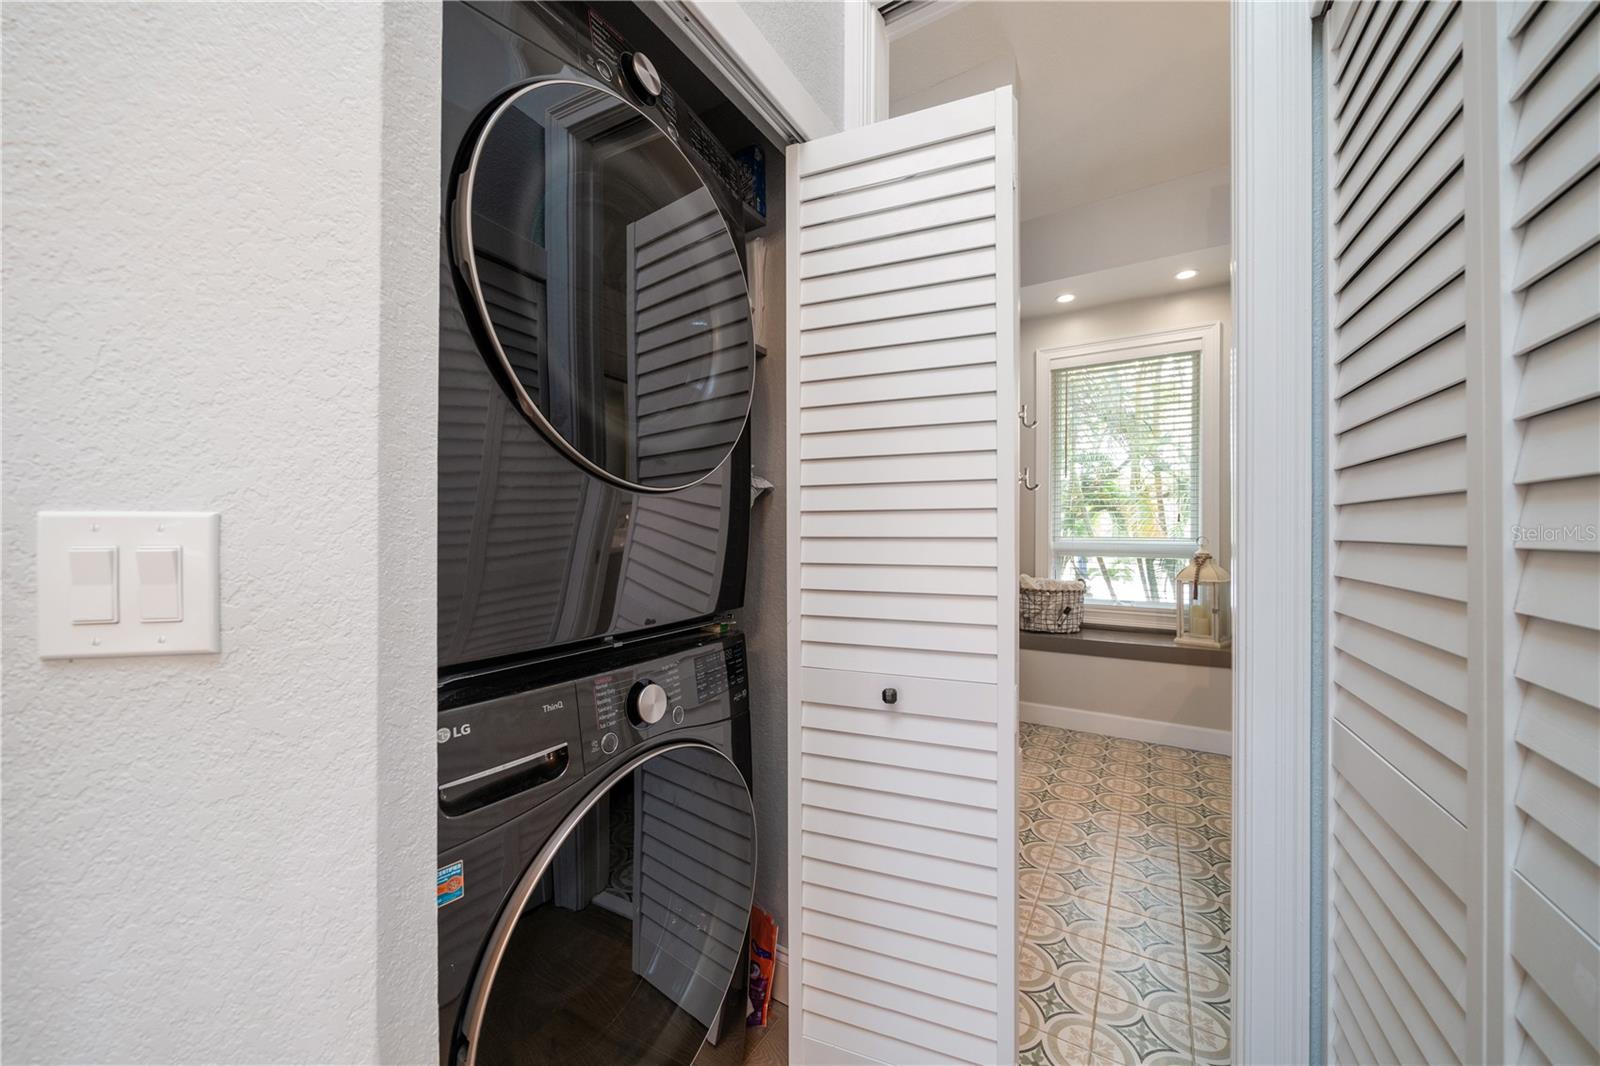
{"points": [[1554, 227], [1400, 815], [1465, 326], [902, 575]]}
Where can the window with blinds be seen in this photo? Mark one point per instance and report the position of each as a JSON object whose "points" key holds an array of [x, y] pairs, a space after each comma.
{"points": [[1125, 472]]}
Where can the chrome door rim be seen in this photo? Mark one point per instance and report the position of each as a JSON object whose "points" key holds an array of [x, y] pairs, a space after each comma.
{"points": [[461, 227], [484, 973]]}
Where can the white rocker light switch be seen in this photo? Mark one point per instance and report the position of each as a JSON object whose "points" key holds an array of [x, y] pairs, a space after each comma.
{"points": [[160, 584], [92, 597]]}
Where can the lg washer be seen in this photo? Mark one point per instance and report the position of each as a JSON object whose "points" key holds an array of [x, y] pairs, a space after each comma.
{"points": [[596, 859]]}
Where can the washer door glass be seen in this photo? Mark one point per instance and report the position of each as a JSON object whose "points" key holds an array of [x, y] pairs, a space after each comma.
{"points": [[631, 947], [609, 286]]}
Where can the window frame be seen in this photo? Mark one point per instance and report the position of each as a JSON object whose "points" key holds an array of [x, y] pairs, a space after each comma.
{"points": [[1207, 338]]}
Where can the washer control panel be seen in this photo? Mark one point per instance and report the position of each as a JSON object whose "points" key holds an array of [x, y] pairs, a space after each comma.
{"points": [[519, 744], [628, 706], [509, 738]]}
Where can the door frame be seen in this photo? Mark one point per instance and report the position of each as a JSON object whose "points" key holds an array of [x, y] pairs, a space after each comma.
{"points": [[1276, 812], [866, 65]]}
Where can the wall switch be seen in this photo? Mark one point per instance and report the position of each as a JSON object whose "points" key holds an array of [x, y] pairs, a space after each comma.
{"points": [[128, 583], [92, 596], [159, 572]]}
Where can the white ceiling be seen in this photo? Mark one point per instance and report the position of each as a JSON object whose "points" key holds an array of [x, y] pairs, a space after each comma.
{"points": [[1115, 95], [1151, 277]]}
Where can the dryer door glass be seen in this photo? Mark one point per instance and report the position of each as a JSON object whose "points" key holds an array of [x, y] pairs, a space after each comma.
{"points": [[610, 291], [631, 946]]}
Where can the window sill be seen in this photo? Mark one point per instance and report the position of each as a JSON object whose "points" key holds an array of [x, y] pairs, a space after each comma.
{"points": [[1149, 647]]}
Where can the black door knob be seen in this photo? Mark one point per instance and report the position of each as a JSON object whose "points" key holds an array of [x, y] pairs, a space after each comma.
{"points": [[891, 696]]}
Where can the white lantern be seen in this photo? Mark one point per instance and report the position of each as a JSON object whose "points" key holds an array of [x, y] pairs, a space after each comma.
{"points": [[1203, 603]]}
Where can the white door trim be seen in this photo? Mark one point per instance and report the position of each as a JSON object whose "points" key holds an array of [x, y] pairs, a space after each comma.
{"points": [[1008, 389], [1272, 546], [866, 65]]}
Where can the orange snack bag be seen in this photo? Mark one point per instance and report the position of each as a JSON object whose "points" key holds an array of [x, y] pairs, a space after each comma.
{"points": [[763, 960]]}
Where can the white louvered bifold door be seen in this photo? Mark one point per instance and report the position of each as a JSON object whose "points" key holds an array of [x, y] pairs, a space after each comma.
{"points": [[1398, 739], [902, 305], [1463, 210], [1552, 252]]}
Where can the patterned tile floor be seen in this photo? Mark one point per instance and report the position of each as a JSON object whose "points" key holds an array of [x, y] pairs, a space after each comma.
{"points": [[1124, 888]]}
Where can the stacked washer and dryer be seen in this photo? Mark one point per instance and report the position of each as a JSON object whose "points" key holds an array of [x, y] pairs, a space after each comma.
{"points": [[596, 837]]}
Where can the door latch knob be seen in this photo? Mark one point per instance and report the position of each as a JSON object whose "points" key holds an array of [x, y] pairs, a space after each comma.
{"points": [[891, 696]]}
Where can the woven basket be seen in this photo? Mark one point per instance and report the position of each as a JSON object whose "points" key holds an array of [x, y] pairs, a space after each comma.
{"points": [[1057, 610]]}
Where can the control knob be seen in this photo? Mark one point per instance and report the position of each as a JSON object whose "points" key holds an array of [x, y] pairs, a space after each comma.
{"points": [[642, 77], [647, 703]]}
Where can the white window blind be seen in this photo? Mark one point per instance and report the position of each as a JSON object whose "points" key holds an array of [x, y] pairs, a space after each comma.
{"points": [[1125, 477]]}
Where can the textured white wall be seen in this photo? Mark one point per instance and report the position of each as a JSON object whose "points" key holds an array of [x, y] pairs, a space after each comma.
{"points": [[219, 294], [809, 36]]}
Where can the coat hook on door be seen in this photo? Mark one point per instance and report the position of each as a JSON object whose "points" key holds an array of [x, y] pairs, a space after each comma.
{"points": [[1025, 479], [1022, 414]]}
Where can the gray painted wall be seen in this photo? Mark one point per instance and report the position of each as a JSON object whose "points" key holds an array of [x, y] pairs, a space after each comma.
{"points": [[765, 617], [809, 36], [1162, 692], [220, 292]]}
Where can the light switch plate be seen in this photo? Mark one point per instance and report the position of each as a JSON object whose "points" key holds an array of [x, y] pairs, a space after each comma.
{"points": [[193, 534]]}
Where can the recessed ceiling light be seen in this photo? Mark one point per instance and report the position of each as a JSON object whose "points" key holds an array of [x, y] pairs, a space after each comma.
{"points": [[1065, 298], [1185, 275]]}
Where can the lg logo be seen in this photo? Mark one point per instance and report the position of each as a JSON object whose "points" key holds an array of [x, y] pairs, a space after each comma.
{"points": [[462, 730]]}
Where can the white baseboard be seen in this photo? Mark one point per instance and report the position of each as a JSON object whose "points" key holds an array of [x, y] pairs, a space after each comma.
{"points": [[1217, 741], [780, 976]]}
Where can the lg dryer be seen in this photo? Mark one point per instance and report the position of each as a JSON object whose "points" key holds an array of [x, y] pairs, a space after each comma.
{"points": [[595, 342]]}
